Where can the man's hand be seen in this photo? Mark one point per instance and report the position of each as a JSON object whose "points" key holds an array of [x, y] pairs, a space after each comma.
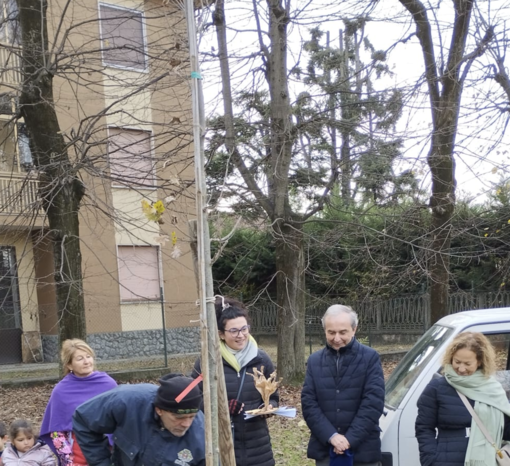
{"points": [[340, 443]]}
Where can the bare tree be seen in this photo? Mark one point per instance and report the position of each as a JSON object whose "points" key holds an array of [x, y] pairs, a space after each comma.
{"points": [[286, 224], [445, 85], [61, 189], [453, 44], [276, 174]]}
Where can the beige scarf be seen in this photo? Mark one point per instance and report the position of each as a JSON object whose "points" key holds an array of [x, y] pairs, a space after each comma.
{"points": [[239, 359]]}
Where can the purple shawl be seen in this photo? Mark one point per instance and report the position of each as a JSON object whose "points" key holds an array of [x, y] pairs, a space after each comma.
{"points": [[70, 393]]}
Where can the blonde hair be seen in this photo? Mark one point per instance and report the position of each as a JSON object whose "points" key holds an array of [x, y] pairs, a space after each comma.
{"points": [[69, 347], [478, 344]]}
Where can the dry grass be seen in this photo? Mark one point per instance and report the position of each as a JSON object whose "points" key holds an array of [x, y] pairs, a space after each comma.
{"points": [[176, 363], [289, 436], [271, 350]]}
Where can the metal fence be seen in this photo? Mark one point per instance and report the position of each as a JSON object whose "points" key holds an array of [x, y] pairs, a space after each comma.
{"points": [[464, 301], [137, 330], [406, 313]]}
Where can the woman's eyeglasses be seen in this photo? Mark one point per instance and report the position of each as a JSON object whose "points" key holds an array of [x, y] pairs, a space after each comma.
{"points": [[235, 332]]}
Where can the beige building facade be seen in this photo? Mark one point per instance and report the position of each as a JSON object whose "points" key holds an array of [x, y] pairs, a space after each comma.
{"points": [[123, 100]]}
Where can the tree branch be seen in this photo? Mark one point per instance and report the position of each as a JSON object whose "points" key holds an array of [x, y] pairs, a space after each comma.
{"points": [[450, 78], [477, 52], [220, 23], [424, 34], [501, 77]]}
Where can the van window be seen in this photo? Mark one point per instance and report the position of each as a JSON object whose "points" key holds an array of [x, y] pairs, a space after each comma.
{"points": [[413, 363], [501, 343]]}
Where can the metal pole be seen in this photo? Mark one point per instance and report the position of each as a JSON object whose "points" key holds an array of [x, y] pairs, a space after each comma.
{"points": [[310, 336], [208, 315], [370, 330], [163, 321], [217, 420]]}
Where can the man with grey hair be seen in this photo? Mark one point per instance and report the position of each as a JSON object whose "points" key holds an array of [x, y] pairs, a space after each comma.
{"points": [[343, 395]]}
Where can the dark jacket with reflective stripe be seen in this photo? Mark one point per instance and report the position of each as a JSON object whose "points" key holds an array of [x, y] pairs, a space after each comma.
{"points": [[139, 438], [252, 443], [344, 393]]}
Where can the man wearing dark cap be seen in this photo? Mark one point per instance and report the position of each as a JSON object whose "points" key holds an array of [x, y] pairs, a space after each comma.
{"points": [[151, 426]]}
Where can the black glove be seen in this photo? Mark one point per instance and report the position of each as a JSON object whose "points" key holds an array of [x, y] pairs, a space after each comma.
{"points": [[235, 407]]}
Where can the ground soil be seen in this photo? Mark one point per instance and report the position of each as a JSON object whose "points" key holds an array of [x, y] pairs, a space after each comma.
{"points": [[29, 402]]}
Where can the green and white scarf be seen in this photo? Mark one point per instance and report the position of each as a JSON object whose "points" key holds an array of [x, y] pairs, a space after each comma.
{"points": [[490, 404], [239, 359]]}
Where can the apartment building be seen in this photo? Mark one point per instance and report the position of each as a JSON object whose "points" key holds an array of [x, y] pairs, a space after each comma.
{"points": [[122, 95]]}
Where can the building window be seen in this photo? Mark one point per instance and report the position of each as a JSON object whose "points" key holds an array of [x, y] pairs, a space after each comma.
{"points": [[9, 23], [122, 37], [10, 316], [25, 154], [139, 273], [130, 156]]}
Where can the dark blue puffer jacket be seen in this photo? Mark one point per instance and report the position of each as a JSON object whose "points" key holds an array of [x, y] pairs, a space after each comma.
{"points": [[439, 406], [344, 393]]}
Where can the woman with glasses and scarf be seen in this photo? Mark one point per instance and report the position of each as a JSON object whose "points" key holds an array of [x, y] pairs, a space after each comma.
{"points": [[240, 355], [446, 432]]}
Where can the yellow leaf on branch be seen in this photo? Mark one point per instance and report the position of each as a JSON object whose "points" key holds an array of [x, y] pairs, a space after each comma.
{"points": [[153, 212]]}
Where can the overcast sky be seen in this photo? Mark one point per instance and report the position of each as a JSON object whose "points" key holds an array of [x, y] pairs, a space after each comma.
{"points": [[481, 155]]}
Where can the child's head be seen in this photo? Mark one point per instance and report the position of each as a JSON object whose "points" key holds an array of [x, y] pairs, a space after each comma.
{"points": [[3, 435], [22, 435]]}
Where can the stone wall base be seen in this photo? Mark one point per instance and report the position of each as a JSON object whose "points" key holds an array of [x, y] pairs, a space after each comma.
{"points": [[134, 344], [31, 347]]}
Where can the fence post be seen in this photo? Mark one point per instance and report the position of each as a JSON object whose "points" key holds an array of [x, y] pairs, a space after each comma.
{"points": [[482, 301], [378, 317], [310, 337], [370, 326], [163, 320], [426, 312]]}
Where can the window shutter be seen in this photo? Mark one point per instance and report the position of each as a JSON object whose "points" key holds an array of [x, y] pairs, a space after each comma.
{"points": [[122, 37], [130, 157], [138, 273]]}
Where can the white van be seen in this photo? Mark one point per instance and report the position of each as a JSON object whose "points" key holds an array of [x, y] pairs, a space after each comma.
{"points": [[420, 364]]}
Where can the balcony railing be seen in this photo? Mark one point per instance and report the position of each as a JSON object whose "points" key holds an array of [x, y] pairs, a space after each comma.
{"points": [[10, 65], [18, 194]]}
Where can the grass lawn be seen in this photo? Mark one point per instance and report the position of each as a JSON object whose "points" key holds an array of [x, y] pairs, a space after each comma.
{"points": [[289, 437]]}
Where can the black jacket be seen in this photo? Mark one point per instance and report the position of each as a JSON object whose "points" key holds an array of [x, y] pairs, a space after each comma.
{"points": [[344, 393], [439, 406], [252, 443]]}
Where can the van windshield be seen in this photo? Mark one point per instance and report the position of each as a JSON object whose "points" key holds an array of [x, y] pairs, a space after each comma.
{"points": [[413, 364]]}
